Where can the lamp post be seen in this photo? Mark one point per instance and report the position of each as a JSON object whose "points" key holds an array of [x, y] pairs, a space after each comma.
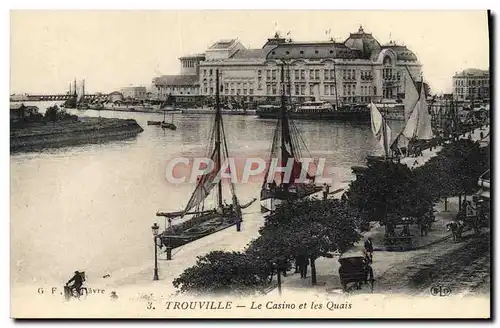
{"points": [[155, 229]]}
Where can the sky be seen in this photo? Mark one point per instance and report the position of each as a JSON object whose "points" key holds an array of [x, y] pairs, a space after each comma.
{"points": [[113, 49]]}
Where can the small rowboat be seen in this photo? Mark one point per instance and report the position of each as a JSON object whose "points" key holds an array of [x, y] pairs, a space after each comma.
{"points": [[166, 125]]}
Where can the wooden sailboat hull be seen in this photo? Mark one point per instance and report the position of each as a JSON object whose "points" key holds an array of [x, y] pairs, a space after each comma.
{"points": [[196, 228], [202, 225], [168, 126]]}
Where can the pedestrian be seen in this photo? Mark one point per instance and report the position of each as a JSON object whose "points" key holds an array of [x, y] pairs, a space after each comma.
{"points": [[282, 266], [369, 249], [423, 228], [303, 267], [113, 296], [325, 191], [297, 264]]}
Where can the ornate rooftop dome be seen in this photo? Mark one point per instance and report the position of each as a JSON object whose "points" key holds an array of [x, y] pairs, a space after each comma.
{"points": [[363, 42], [402, 52]]}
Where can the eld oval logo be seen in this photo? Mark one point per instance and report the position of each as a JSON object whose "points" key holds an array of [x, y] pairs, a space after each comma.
{"points": [[440, 291]]}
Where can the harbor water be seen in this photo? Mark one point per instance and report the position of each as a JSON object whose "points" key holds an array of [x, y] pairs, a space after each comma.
{"points": [[91, 207]]}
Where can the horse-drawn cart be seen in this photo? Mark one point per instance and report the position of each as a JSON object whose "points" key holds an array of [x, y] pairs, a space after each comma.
{"points": [[355, 269]]}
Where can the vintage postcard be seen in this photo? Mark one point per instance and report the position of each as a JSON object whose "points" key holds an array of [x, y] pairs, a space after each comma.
{"points": [[250, 164]]}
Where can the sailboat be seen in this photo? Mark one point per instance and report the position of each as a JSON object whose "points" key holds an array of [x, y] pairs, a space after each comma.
{"points": [[165, 125], [71, 102], [381, 129], [199, 221], [82, 103], [418, 126], [286, 145]]}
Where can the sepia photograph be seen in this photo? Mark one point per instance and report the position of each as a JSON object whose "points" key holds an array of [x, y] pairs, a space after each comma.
{"points": [[260, 164]]}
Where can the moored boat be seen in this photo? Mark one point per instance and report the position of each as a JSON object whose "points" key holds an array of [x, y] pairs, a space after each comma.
{"points": [[72, 101], [166, 125], [223, 111], [416, 133], [286, 145], [319, 111], [96, 106], [200, 221]]}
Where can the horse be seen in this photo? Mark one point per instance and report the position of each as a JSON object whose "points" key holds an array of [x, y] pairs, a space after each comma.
{"points": [[456, 227]]}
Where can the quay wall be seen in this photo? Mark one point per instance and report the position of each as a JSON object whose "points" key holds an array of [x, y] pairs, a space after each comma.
{"points": [[85, 130]]}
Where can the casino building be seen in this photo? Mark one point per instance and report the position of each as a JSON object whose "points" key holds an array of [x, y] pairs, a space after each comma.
{"points": [[358, 70]]}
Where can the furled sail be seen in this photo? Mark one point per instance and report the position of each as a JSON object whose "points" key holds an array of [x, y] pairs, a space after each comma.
{"points": [[380, 128], [289, 140], [287, 145], [204, 186]]}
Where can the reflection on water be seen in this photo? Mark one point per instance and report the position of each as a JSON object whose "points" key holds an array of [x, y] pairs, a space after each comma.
{"points": [[91, 207]]}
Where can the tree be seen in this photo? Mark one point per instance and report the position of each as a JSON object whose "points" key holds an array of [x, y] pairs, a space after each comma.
{"points": [[221, 272], [455, 171], [54, 113], [386, 192], [308, 227]]}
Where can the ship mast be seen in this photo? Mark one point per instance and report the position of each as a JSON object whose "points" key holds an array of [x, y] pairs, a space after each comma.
{"points": [[283, 121], [335, 81], [217, 137]]}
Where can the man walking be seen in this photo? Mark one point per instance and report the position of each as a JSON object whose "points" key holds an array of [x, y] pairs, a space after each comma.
{"points": [[369, 249], [302, 263]]}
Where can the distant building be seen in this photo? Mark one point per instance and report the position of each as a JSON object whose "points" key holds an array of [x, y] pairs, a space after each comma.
{"points": [[177, 85], [20, 112], [184, 87], [15, 97], [115, 96], [471, 84], [134, 92], [357, 70]]}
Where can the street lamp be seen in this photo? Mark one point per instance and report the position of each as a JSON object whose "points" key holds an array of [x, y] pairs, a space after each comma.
{"points": [[155, 229]]}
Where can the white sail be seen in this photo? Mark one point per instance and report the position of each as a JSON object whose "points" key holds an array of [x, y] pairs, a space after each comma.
{"points": [[424, 128], [411, 95], [418, 125], [380, 128], [376, 120]]}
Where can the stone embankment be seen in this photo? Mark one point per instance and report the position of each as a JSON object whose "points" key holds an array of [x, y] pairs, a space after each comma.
{"points": [[85, 130]]}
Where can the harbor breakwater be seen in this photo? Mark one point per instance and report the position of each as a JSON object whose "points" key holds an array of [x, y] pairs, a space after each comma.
{"points": [[85, 130]]}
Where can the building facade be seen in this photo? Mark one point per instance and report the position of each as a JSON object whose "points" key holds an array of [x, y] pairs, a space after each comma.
{"points": [[358, 70], [471, 84], [115, 96], [20, 112], [134, 92]]}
